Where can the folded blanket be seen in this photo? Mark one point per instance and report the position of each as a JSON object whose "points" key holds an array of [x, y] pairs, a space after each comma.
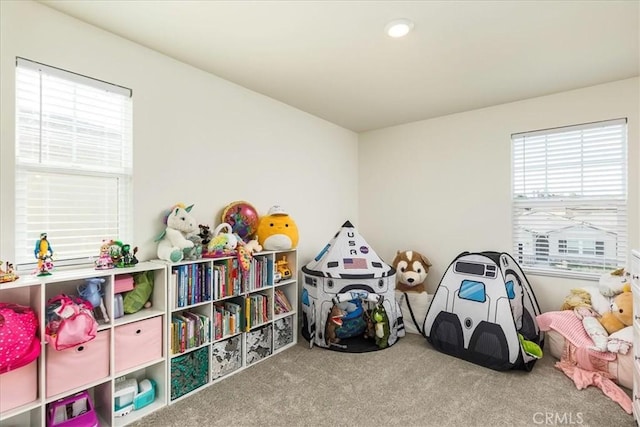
{"points": [[567, 323]]}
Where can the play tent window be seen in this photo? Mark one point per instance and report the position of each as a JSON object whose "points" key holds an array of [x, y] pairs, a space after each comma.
{"points": [[472, 291], [511, 293], [569, 188], [74, 163]]}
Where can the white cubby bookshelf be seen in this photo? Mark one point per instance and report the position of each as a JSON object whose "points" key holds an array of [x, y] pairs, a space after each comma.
{"points": [[246, 324], [35, 291], [178, 371]]}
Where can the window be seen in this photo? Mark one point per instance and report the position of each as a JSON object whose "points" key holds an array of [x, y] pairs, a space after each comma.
{"points": [[570, 199], [73, 163]]}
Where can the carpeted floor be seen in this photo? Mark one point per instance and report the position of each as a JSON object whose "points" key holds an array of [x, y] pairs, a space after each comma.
{"points": [[409, 384]]}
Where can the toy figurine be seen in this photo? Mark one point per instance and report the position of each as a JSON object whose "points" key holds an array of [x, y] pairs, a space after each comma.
{"points": [[104, 262], [128, 256], [7, 275], [44, 253]]}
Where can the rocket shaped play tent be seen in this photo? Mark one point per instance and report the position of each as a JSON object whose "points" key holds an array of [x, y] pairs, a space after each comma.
{"points": [[484, 311], [348, 298]]}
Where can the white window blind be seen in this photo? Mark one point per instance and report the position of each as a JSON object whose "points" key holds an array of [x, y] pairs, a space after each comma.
{"points": [[570, 199], [73, 163]]}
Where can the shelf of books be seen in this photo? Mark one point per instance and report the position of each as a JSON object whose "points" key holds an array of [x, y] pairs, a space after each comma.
{"points": [[223, 319]]}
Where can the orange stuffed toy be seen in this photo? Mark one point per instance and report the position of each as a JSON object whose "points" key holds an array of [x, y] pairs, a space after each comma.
{"points": [[621, 313]]}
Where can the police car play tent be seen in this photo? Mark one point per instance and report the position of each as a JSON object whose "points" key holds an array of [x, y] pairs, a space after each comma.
{"points": [[348, 298], [484, 311]]}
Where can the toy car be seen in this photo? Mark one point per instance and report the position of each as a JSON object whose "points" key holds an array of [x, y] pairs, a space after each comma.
{"points": [[282, 267], [72, 411]]}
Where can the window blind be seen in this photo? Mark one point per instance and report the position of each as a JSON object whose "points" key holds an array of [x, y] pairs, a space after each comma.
{"points": [[74, 163], [570, 199]]}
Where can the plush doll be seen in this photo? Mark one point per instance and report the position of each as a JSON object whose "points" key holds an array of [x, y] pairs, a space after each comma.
{"points": [[277, 230], [381, 325], [173, 240], [223, 242], [411, 272], [252, 246], [204, 234], [621, 313], [615, 282], [576, 298]]}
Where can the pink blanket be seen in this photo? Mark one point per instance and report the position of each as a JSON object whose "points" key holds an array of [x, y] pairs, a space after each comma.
{"points": [[584, 366], [569, 326]]}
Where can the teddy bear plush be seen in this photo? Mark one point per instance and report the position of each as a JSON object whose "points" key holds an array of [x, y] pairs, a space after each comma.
{"points": [[174, 239], [412, 269], [620, 315]]}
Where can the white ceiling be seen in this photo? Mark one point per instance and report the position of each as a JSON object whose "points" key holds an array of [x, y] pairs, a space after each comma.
{"points": [[333, 60]]}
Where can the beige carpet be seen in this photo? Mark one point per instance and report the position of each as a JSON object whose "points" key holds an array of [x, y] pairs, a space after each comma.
{"points": [[409, 384]]}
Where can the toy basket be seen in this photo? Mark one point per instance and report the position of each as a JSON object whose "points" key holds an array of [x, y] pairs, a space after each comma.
{"points": [[72, 411]]}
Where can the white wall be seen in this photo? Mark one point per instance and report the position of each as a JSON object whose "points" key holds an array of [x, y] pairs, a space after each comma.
{"points": [[197, 138], [442, 186], [439, 186]]}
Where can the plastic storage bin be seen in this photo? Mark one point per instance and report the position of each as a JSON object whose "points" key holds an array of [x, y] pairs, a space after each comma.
{"points": [[19, 386], [138, 343], [77, 366]]}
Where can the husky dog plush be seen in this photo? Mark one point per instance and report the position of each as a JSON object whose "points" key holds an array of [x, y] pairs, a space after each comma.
{"points": [[411, 272]]}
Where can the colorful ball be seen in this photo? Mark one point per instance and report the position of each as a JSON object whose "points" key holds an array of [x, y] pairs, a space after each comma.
{"points": [[242, 217]]}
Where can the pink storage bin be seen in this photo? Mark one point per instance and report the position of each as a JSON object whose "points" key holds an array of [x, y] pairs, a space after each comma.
{"points": [[77, 366], [19, 386], [123, 283], [137, 343]]}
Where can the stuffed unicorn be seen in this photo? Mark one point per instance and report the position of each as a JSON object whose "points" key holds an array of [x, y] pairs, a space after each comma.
{"points": [[173, 240]]}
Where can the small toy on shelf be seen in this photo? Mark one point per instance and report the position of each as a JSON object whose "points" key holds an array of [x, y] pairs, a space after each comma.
{"points": [[104, 261], [277, 230], [173, 240], [121, 254], [128, 256], [282, 268], [204, 234], [194, 252], [7, 274], [253, 246], [44, 254], [91, 290], [223, 242]]}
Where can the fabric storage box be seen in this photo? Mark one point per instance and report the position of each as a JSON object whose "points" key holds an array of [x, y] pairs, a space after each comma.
{"points": [[189, 372], [123, 283], [19, 386], [77, 366], [137, 343]]}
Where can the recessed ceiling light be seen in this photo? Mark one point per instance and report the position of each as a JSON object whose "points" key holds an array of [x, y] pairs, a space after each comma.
{"points": [[398, 28]]}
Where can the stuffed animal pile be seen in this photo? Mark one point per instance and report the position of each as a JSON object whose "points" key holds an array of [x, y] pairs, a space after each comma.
{"points": [[606, 311]]}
